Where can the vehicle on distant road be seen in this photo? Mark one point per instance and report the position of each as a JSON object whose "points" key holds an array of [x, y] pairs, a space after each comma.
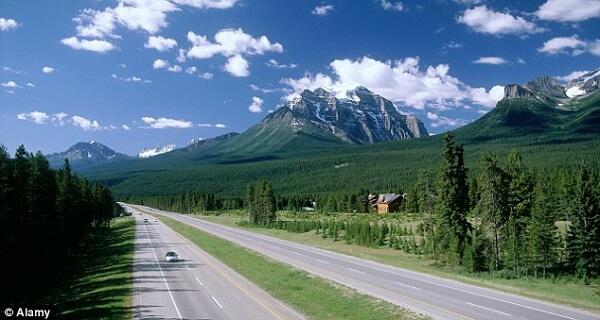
{"points": [[171, 256], [145, 220]]}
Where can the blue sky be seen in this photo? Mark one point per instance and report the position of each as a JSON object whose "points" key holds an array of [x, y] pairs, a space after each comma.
{"points": [[142, 73]]}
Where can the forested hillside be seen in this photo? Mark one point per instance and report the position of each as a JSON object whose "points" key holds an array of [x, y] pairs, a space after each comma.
{"points": [[45, 215]]}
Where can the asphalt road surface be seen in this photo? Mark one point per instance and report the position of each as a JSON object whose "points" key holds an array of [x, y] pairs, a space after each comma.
{"points": [[199, 287], [434, 296]]}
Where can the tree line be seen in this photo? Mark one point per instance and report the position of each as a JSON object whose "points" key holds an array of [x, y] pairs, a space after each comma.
{"points": [[45, 215]]}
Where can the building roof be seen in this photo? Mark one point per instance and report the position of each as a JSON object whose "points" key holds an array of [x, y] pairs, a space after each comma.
{"points": [[388, 197]]}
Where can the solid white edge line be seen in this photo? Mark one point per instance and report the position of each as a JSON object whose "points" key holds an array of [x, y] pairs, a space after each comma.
{"points": [[357, 271], [198, 280], [489, 309], [217, 302], [162, 274]]}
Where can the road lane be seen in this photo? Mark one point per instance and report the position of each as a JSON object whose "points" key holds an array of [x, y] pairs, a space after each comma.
{"points": [[438, 297], [198, 287]]}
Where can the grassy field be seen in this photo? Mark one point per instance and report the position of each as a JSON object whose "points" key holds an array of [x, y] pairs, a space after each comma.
{"points": [[314, 297], [99, 285], [571, 293]]}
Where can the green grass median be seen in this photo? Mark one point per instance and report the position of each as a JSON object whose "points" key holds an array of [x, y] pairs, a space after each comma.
{"points": [[314, 297]]}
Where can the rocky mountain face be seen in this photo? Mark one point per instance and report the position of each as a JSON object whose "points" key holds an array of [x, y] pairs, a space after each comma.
{"points": [[361, 117], [204, 142], [85, 154], [151, 152], [548, 89]]}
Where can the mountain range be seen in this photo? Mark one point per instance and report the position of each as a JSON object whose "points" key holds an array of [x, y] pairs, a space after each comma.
{"points": [[320, 136]]}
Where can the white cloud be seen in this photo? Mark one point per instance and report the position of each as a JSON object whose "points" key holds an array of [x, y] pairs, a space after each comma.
{"points": [[125, 127], [237, 66], [205, 75], [322, 10], [274, 64], [388, 5], [521, 61], [572, 76], [159, 43], [204, 125], [490, 60], [256, 105], [10, 84], [29, 84], [220, 125], [175, 68], [85, 124], [163, 123], [59, 118], [483, 20], [159, 64], [9, 69], [572, 45], [401, 81], [131, 79], [191, 70], [208, 4], [438, 121], [569, 10], [181, 56], [8, 24], [47, 70], [100, 46], [233, 44], [265, 90], [34, 116]]}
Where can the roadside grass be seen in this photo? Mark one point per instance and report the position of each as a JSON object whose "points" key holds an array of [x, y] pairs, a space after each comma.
{"points": [[99, 285], [312, 296], [564, 291]]}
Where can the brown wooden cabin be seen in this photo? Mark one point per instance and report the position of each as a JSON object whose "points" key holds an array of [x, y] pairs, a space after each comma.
{"points": [[386, 202]]}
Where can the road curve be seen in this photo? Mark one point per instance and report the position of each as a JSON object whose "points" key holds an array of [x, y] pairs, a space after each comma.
{"points": [[434, 296], [199, 287]]}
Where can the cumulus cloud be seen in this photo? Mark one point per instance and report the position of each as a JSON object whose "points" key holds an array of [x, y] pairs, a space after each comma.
{"points": [[322, 10], [206, 75], [146, 15], [571, 76], [233, 44], [175, 68], [220, 125], [29, 84], [570, 45], [164, 123], [483, 20], [8, 24], [125, 127], [85, 124], [490, 60], [47, 70], [389, 5], [569, 10], [159, 64], [100, 46], [37, 117], [159, 43], [274, 64], [10, 84], [131, 79], [256, 105], [438, 121], [237, 66], [401, 81]]}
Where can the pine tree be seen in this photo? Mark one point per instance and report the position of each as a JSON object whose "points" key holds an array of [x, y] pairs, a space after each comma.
{"points": [[542, 232]]}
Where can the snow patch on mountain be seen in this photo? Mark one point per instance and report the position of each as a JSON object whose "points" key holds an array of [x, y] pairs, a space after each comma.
{"points": [[151, 152]]}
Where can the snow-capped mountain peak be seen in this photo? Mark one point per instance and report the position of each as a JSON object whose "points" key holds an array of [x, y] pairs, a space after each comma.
{"points": [[151, 152]]}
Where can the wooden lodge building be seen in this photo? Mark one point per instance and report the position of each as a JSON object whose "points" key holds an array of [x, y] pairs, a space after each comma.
{"points": [[386, 202]]}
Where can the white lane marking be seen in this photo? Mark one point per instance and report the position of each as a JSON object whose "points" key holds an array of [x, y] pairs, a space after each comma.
{"points": [[162, 274], [489, 309], [198, 280], [296, 253], [357, 271], [322, 261], [217, 302], [498, 299], [407, 285]]}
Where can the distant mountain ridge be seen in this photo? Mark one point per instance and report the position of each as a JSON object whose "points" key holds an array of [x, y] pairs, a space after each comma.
{"points": [[151, 152], [84, 154]]}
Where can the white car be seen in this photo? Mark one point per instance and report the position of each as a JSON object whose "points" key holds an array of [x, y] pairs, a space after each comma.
{"points": [[171, 256]]}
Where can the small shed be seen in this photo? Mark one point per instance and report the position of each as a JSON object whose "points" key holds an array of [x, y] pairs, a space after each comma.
{"points": [[388, 202]]}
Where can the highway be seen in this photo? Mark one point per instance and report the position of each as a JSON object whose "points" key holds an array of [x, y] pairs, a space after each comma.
{"points": [[198, 287], [438, 297]]}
